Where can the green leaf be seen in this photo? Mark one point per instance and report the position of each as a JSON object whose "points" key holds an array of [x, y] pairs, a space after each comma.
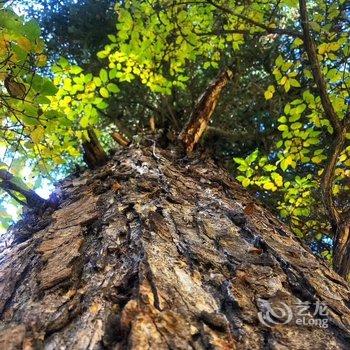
{"points": [[286, 162], [113, 88], [282, 119], [268, 95], [296, 126], [252, 157], [270, 167], [294, 117], [287, 85], [279, 61], [48, 88], [301, 108], [97, 81], [282, 127], [297, 42], [37, 134], [84, 121], [103, 75], [318, 159], [240, 161], [104, 92], [246, 182], [270, 186], [294, 82], [63, 62], [277, 178], [32, 30], [75, 70], [112, 38], [87, 78]]}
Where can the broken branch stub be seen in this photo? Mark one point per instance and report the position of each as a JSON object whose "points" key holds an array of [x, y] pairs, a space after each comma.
{"points": [[94, 155], [205, 106], [120, 138]]}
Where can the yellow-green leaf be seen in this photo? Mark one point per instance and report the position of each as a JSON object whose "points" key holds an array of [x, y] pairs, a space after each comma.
{"points": [[37, 134], [104, 92]]}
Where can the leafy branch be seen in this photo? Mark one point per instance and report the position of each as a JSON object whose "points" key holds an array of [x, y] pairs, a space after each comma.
{"points": [[342, 235]]}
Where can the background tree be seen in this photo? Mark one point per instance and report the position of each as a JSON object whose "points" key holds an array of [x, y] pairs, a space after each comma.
{"points": [[76, 30]]}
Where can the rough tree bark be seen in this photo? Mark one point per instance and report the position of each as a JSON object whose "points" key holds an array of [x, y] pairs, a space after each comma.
{"points": [[152, 251]]}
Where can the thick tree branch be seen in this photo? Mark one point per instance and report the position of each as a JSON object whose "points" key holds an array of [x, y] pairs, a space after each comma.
{"points": [[339, 132], [232, 135], [310, 49], [328, 179], [200, 117], [268, 29], [223, 31], [341, 253], [339, 223], [11, 194], [94, 155], [120, 138], [8, 184]]}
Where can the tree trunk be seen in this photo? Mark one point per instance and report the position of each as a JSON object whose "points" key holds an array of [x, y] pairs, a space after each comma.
{"points": [[155, 252], [341, 253]]}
